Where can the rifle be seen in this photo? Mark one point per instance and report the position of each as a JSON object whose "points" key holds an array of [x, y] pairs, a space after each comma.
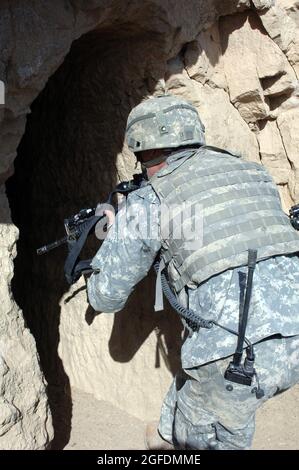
{"points": [[79, 226], [294, 216]]}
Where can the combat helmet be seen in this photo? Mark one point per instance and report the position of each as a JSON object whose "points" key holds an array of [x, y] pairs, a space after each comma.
{"points": [[165, 121]]}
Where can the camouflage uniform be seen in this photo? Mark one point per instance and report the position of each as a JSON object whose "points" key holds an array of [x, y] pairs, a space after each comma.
{"points": [[199, 411], [204, 411]]}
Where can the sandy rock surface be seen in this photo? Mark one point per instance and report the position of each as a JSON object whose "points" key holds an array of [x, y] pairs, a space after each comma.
{"points": [[72, 71]]}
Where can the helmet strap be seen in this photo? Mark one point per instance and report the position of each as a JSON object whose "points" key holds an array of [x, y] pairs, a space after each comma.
{"points": [[154, 161]]}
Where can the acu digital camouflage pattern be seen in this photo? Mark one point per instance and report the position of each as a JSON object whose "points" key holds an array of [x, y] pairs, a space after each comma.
{"points": [[164, 122], [240, 208], [124, 260], [200, 412]]}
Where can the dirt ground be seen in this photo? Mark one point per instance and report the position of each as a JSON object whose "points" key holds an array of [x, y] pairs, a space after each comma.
{"points": [[99, 425]]}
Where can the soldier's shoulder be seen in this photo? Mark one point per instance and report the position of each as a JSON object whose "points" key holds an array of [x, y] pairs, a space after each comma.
{"points": [[214, 149], [145, 193]]}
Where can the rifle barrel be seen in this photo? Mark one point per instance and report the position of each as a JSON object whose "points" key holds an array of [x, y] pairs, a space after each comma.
{"points": [[44, 249]]}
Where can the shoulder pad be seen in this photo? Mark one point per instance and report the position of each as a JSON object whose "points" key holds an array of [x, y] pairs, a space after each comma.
{"points": [[220, 150], [146, 193]]}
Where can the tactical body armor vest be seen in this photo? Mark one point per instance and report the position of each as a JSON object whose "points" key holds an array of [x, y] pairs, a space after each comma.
{"points": [[241, 209]]}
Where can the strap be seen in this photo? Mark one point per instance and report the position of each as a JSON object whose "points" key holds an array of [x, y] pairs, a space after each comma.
{"points": [[193, 320], [159, 305], [189, 188], [83, 267], [154, 161], [231, 250], [227, 213], [253, 192], [229, 247], [252, 258], [71, 260], [220, 150]]}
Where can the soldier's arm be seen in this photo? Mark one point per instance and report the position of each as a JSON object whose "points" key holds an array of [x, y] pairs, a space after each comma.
{"points": [[126, 254]]}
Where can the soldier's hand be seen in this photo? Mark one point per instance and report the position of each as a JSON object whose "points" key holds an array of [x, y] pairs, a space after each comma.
{"points": [[108, 211], [110, 217]]}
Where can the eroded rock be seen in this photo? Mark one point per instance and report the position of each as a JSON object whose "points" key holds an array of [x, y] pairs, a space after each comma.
{"points": [[263, 67], [263, 4], [288, 125], [203, 59], [272, 152], [25, 420], [281, 22], [239, 71]]}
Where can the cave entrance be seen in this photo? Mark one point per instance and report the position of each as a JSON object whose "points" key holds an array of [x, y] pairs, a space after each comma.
{"points": [[67, 160]]}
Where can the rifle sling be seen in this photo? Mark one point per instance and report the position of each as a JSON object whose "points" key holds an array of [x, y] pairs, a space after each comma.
{"points": [[73, 267]]}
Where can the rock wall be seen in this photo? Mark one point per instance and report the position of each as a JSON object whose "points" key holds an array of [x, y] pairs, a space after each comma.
{"points": [[73, 70]]}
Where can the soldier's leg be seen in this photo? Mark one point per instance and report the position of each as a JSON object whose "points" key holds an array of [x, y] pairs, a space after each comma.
{"points": [[169, 405], [184, 420], [213, 413]]}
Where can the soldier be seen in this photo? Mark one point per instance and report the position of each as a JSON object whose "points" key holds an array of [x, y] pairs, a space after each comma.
{"points": [[246, 349]]}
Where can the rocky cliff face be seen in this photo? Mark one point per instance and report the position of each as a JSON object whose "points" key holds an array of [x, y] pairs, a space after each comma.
{"points": [[72, 72]]}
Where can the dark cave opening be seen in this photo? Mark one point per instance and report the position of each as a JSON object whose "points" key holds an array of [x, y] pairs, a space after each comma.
{"points": [[67, 160]]}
